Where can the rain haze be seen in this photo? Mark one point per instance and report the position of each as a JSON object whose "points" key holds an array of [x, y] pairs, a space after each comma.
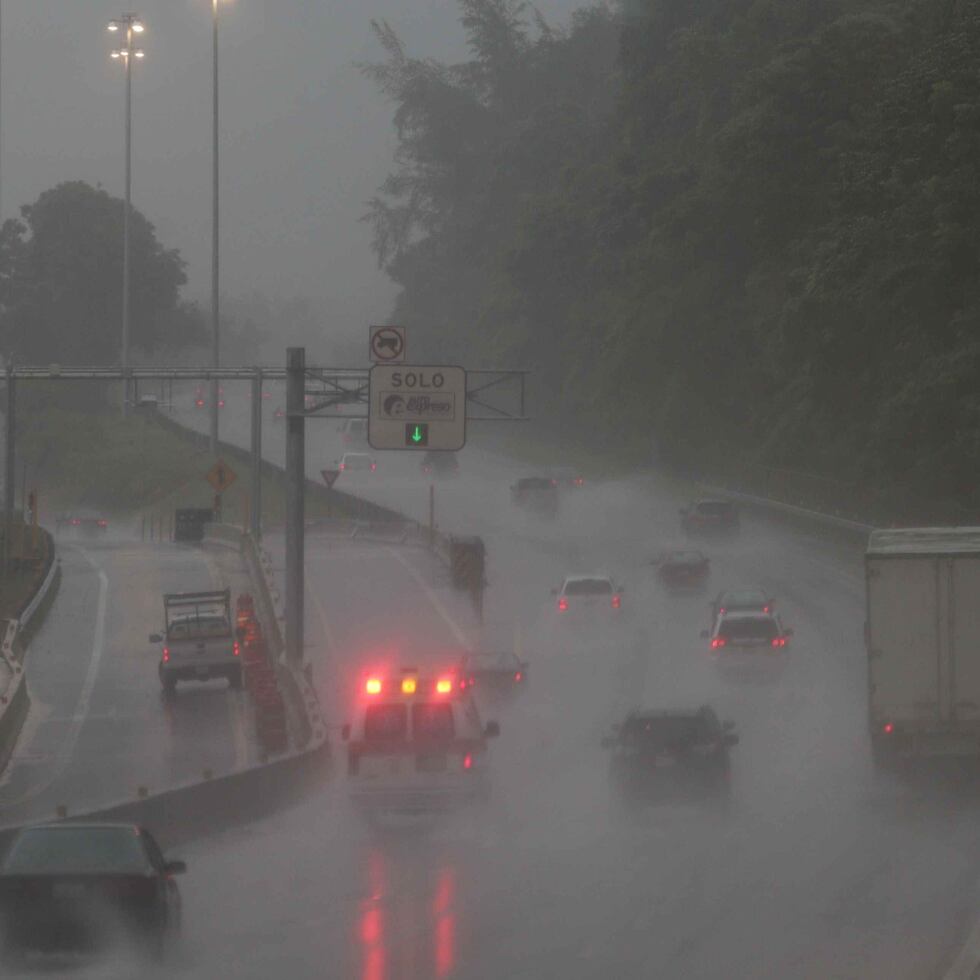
{"points": [[569, 564]]}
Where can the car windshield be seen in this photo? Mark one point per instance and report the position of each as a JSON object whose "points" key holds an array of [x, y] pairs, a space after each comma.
{"points": [[743, 600], [684, 558], [588, 586], [386, 722], [433, 721], [77, 850], [749, 628], [198, 627], [664, 732]]}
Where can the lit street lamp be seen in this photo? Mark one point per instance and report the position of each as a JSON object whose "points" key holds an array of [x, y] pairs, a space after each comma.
{"points": [[131, 25]]}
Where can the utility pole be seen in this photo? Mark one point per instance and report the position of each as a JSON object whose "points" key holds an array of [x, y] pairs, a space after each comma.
{"points": [[10, 475], [256, 511], [215, 311], [295, 486]]}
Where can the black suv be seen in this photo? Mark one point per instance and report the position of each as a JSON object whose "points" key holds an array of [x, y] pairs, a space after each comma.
{"points": [[670, 754]]}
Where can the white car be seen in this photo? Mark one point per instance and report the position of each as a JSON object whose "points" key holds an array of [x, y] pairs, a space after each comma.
{"points": [[357, 463], [592, 593], [354, 432], [742, 629], [418, 744]]}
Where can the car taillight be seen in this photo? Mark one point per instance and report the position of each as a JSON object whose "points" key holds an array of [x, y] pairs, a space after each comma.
{"points": [[562, 604], [765, 609], [467, 761], [166, 655], [342, 466], [722, 609], [779, 641], [617, 601], [373, 685], [718, 641], [374, 466], [518, 677], [235, 648], [199, 403], [888, 728]]}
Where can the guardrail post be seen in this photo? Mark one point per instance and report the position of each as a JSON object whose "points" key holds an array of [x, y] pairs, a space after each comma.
{"points": [[295, 518]]}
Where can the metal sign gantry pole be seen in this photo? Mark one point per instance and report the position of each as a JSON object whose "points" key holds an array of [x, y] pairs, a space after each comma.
{"points": [[10, 477], [255, 507], [295, 486]]}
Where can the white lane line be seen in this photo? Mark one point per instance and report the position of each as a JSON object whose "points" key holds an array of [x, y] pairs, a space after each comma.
{"points": [[321, 614], [80, 712], [437, 603], [967, 963]]}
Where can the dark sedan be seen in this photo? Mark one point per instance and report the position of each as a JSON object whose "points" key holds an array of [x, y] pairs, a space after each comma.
{"points": [[685, 569], [80, 886], [660, 755], [495, 672]]}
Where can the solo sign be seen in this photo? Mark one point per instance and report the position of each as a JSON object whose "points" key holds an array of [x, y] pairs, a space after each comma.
{"points": [[417, 407]]}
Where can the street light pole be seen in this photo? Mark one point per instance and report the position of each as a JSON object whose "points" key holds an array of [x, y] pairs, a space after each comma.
{"points": [[132, 25], [215, 311]]}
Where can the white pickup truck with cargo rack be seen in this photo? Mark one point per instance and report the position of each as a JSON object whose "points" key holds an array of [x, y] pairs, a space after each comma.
{"points": [[198, 638], [923, 642]]}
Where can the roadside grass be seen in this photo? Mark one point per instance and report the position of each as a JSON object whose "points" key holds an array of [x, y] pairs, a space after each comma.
{"points": [[98, 463]]}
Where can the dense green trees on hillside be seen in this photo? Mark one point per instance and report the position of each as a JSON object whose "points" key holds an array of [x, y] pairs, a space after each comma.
{"points": [[748, 224]]}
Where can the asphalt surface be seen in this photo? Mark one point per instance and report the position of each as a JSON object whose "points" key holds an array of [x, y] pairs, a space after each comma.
{"points": [[816, 868], [99, 727]]}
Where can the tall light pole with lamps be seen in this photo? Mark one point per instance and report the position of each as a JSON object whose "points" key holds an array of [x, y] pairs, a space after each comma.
{"points": [[215, 299], [131, 25]]}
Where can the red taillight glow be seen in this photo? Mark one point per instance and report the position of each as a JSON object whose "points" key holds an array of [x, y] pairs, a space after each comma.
{"points": [[409, 685], [236, 649], [779, 641], [373, 685], [722, 609], [718, 641], [103, 523], [374, 466], [342, 466], [467, 761], [444, 685], [199, 403], [562, 604], [888, 728], [166, 655], [765, 609], [518, 677], [617, 601]]}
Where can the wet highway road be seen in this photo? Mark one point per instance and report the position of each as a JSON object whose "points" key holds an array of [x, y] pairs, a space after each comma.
{"points": [[99, 727], [817, 868]]}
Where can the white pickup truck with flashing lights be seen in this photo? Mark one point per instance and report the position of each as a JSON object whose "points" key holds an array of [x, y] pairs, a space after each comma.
{"points": [[590, 593], [418, 744]]}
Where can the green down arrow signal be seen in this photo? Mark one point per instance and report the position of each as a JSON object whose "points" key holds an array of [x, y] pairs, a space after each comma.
{"points": [[417, 434]]}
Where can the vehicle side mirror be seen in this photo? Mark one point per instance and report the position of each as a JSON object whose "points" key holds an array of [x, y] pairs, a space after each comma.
{"points": [[156, 638], [174, 867], [728, 726], [345, 733], [730, 740], [492, 729], [705, 634]]}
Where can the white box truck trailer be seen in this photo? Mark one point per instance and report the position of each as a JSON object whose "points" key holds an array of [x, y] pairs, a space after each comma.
{"points": [[923, 642]]}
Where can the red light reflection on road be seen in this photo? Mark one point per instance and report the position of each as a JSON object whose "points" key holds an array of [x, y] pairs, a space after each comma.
{"points": [[445, 915], [371, 921]]}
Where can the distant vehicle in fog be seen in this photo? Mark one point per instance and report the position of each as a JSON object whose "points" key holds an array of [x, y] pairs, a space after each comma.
{"points": [[538, 494], [740, 630], [923, 643], [354, 432], [709, 517], [440, 464], [594, 594], [741, 600], [660, 755], [80, 886], [683, 569], [357, 463], [495, 671], [568, 478], [76, 524]]}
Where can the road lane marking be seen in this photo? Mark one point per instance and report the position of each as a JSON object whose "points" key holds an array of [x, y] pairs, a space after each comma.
{"points": [[80, 712], [437, 603]]}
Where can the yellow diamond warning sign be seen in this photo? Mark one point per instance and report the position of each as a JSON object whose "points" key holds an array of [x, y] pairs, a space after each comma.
{"points": [[221, 476]]}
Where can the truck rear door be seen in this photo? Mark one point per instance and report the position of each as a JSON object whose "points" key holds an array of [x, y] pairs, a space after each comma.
{"points": [[963, 583], [903, 639]]}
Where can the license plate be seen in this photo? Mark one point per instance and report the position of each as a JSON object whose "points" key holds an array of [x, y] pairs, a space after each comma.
{"points": [[431, 763], [68, 891]]}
